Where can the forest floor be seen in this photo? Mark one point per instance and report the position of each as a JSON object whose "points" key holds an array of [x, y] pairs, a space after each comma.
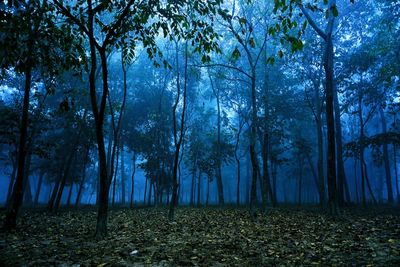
{"points": [[205, 237]]}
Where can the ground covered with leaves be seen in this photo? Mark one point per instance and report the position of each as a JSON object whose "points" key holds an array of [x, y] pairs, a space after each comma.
{"points": [[205, 237]]}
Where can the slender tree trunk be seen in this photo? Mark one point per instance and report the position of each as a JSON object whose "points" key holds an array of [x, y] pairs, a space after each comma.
{"points": [[300, 180], [274, 168], [253, 136], [199, 190], [65, 176], [192, 185], [122, 174], [150, 192], [17, 194], [101, 226], [329, 102], [145, 192], [83, 176], [12, 181], [133, 180], [356, 183], [368, 184], [314, 175], [208, 191], [53, 196], [27, 184], [320, 149], [238, 183], [38, 189], [69, 194], [220, 190], [328, 66], [178, 140], [115, 179], [247, 181], [362, 161], [386, 160], [341, 175], [396, 176]]}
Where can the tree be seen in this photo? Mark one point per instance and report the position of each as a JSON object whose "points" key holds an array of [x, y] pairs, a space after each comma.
{"points": [[328, 63], [31, 40]]}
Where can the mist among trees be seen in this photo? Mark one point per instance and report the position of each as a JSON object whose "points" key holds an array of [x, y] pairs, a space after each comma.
{"points": [[175, 132]]}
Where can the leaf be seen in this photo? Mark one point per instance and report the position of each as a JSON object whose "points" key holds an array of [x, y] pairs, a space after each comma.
{"points": [[270, 60], [252, 42], [335, 11], [236, 54]]}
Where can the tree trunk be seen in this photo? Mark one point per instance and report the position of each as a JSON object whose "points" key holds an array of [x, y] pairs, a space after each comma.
{"points": [[150, 192], [192, 185], [65, 176], [145, 192], [314, 175], [115, 178], [38, 189], [101, 225], [320, 149], [253, 136], [53, 196], [208, 191], [368, 184], [199, 190], [133, 180], [300, 180], [17, 194], [82, 182], [216, 91], [12, 181], [386, 160], [356, 183], [341, 175], [329, 101], [122, 174], [27, 184], [178, 140], [70, 194], [362, 161], [396, 176], [238, 183], [328, 67]]}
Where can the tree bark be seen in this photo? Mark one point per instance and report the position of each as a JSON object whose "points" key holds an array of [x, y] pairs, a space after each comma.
{"points": [[38, 189], [320, 145], [300, 180], [70, 194], [27, 184], [115, 178], [396, 173], [386, 160], [82, 182], [17, 194], [122, 174], [328, 58], [199, 190], [178, 140], [12, 181], [253, 136], [133, 180], [341, 175], [65, 176]]}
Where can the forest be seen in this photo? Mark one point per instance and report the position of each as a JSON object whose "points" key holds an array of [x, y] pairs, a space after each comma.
{"points": [[199, 133]]}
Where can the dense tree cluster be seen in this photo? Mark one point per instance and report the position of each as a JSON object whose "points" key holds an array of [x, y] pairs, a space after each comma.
{"points": [[252, 103]]}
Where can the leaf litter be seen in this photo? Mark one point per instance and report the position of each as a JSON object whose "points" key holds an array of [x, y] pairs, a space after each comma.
{"points": [[205, 237]]}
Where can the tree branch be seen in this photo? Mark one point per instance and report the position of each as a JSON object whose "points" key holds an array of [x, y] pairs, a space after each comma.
{"points": [[310, 20], [225, 66]]}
